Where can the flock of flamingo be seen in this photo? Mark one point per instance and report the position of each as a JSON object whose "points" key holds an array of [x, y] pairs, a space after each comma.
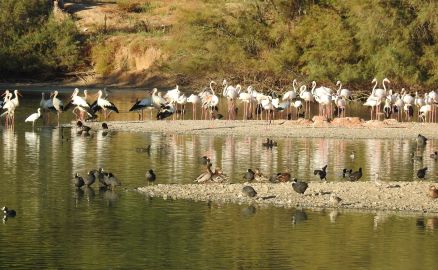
{"points": [[256, 105]]}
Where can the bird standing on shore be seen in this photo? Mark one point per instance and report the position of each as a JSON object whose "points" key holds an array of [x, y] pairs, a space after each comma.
{"points": [[299, 186], [259, 177], [249, 175], [150, 176], [205, 176], [103, 104], [321, 173], [346, 173], [433, 192], [249, 191], [355, 175], [421, 173]]}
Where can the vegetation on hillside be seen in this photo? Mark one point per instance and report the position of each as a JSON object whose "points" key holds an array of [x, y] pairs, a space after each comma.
{"points": [[321, 40], [33, 43], [261, 41]]}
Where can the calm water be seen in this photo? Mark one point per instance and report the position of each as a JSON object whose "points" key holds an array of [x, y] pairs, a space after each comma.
{"points": [[60, 227]]}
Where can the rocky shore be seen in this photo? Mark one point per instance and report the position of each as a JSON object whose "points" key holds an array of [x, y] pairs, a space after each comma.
{"points": [[394, 196]]}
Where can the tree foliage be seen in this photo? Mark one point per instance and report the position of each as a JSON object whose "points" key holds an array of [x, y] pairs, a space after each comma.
{"points": [[323, 40], [33, 42]]}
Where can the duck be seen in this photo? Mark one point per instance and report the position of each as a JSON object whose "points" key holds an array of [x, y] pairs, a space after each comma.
{"points": [[219, 176], [355, 175], [299, 186], [421, 140], [249, 191], [8, 212], [283, 177], [269, 143], [99, 174], [352, 155], [322, 173], [346, 173], [434, 155], [91, 178], [249, 175], [433, 192], [280, 177], [421, 173], [111, 181], [82, 127], [104, 125], [204, 160], [259, 177], [205, 176], [150, 176], [79, 181]]}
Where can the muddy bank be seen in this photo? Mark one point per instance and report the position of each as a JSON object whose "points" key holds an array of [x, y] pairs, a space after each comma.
{"points": [[394, 196]]}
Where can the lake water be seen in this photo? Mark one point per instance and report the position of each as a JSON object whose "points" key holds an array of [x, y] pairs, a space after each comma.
{"points": [[58, 226]]}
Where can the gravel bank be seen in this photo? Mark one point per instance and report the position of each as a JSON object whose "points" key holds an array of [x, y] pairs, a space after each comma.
{"points": [[395, 196], [351, 128], [409, 196]]}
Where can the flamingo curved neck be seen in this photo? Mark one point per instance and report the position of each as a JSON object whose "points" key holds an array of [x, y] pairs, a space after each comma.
{"points": [[383, 83], [313, 87], [211, 87], [375, 85]]}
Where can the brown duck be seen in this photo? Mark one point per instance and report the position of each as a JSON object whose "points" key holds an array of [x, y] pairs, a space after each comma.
{"points": [[433, 192], [205, 176]]}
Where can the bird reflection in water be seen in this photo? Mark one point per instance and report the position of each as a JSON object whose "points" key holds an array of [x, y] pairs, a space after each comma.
{"points": [[379, 219], [299, 216], [89, 193], [333, 215], [110, 196], [78, 196], [248, 211], [430, 223]]}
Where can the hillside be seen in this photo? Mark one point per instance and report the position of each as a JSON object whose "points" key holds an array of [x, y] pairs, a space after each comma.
{"points": [[263, 43]]}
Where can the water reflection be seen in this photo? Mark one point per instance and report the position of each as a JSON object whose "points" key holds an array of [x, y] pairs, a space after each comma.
{"points": [[9, 150], [175, 157], [299, 216], [89, 225]]}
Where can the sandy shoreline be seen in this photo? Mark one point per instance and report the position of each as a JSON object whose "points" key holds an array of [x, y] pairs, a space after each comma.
{"points": [[408, 197], [350, 129]]}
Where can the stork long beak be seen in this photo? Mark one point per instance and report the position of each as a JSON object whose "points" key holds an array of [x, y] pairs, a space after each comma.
{"points": [[19, 94], [4, 93]]}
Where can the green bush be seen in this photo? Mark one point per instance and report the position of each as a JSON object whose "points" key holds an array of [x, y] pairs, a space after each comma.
{"points": [[34, 43], [103, 58]]}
